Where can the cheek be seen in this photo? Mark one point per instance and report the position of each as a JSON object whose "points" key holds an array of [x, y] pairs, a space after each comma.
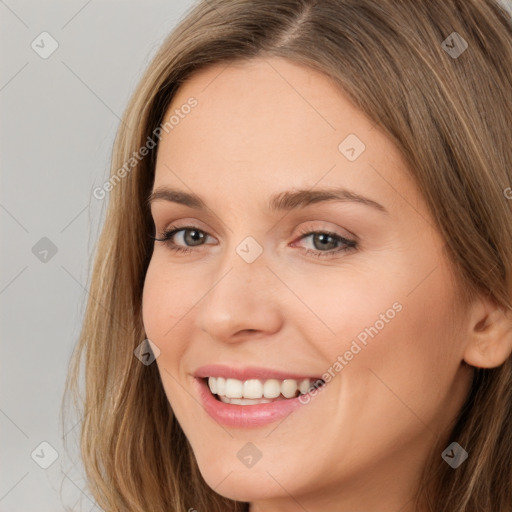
{"points": [[165, 300], [169, 299], [152, 303], [396, 351], [405, 373], [164, 307], [163, 314]]}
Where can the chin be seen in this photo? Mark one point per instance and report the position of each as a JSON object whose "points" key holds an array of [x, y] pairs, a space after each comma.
{"points": [[242, 484]]}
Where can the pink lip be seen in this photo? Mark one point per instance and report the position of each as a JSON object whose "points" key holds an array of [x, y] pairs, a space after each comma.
{"points": [[246, 373], [245, 416]]}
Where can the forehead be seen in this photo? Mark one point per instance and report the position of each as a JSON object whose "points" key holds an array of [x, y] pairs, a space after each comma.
{"points": [[267, 125]]}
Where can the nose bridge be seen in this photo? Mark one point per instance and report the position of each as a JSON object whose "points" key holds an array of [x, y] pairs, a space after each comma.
{"points": [[241, 296]]}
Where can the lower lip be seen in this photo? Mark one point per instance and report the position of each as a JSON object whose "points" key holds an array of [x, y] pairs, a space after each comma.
{"points": [[246, 416]]}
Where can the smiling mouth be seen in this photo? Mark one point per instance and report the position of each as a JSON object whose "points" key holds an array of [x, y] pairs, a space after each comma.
{"points": [[257, 391]]}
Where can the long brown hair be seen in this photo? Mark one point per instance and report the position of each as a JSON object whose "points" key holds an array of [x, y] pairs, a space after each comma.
{"points": [[451, 117]]}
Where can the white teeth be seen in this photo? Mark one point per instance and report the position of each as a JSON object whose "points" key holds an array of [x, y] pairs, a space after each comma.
{"points": [[234, 390], [252, 389], [220, 385], [212, 383], [271, 388], [289, 388], [304, 386], [243, 401]]}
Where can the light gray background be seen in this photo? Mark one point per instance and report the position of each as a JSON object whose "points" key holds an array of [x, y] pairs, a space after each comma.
{"points": [[58, 118]]}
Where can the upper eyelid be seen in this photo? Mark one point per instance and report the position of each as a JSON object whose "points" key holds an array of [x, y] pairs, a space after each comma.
{"points": [[177, 226], [193, 222]]}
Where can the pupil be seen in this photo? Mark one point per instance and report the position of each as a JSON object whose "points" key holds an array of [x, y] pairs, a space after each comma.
{"points": [[197, 235], [323, 239]]}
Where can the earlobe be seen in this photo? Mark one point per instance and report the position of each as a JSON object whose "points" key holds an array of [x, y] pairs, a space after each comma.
{"points": [[490, 335]]}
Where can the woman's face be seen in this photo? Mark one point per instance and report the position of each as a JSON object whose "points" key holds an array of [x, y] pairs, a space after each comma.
{"points": [[275, 288]]}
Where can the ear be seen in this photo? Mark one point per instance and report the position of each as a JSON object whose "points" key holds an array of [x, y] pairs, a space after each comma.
{"points": [[490, 334]]}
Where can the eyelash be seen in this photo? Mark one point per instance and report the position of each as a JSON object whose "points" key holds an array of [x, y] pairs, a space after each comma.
{"points": [[349, 244]]}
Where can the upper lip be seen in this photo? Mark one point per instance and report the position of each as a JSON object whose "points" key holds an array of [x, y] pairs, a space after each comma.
{"points": [[248, 372]]}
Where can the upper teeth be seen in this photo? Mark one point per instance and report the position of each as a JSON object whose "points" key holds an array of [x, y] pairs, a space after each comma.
{"points": [[255, 388]]}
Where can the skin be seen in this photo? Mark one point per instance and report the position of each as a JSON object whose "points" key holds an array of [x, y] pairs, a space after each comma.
{"points": [[261, 127]]}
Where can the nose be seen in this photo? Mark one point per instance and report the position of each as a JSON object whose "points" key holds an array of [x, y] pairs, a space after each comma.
{"points": [[242, 302]]}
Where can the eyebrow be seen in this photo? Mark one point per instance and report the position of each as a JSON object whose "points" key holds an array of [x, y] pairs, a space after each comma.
{"points": [[282, 201]]}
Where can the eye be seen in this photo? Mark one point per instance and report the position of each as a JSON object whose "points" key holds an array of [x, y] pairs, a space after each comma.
{"points": [[327, 240], [326, 243], [196, 237]]}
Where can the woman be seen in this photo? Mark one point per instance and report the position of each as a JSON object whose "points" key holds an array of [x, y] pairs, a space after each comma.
{"points": [[301, 298]]}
